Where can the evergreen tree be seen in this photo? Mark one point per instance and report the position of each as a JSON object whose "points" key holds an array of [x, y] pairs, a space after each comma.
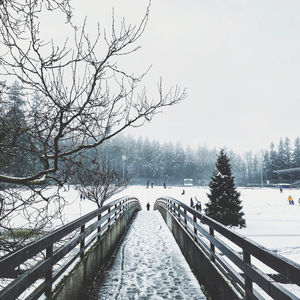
{"points": [[179, 160], [147, 158], [189, 164], [168, 161], [255, 170], [280, 155], [296, 153], [266, 166], [273, 162], [249, 165], [205, 160], [225, 205], [239, 168], [287, 153], [14, 140]]}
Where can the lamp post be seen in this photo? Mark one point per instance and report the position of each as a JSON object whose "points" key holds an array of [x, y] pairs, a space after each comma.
{"points": [[123, 159], [261, 168]]}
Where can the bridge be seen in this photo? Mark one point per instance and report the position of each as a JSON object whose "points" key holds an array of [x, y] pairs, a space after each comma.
{"points": [[72, 261]]}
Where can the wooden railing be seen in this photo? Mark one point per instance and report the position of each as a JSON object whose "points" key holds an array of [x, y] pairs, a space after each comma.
{"points": [[48, 258], [218, 241]]}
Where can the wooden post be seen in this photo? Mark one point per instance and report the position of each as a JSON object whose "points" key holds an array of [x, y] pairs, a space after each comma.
{"points": [[123, 206], [212, 246], [248, 281], [82, 243], [108, 220], [99, 227], [195, 229], [185, 221], [48, 275]]}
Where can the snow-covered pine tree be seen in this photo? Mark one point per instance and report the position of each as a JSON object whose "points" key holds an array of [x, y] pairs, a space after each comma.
{"points": [[225, 205], [296, 153]]}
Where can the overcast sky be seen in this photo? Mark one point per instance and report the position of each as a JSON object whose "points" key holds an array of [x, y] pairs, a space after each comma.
{"points": [[238, 59]]}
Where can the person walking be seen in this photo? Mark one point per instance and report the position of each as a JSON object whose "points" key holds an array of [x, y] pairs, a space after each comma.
{"points": [[148, 206], [291, 201], [198, 207], [192, 203]]}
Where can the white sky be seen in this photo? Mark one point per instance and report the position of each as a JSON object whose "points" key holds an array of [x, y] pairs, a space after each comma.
{"points": [[238, 59], [240, 63]]}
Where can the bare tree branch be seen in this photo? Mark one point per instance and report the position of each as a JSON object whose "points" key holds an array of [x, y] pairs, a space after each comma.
{"points": [[77, 97], [85, 99], [99, 182]]}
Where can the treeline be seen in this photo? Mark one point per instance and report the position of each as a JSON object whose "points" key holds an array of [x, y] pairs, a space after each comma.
{"points": [[286, 156], [152, 161], [156, 162], [145, 160], [17, 153]]}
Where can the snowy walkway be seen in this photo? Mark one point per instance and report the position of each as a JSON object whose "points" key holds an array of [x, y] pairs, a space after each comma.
{"points": [[149, 265]]}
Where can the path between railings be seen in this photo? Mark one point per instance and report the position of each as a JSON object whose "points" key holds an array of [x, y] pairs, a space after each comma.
{"points": [[149, 265]]}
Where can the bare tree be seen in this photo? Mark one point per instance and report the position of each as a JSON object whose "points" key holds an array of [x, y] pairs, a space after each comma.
{"points": [[85, 97], [99, 182], [24, 215]]}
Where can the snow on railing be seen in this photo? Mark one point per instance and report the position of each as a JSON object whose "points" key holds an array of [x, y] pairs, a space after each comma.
{"points": [[50, 256], [234, 264]]}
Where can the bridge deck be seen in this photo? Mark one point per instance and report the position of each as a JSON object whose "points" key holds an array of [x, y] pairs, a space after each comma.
{"points": [[149, 265]]}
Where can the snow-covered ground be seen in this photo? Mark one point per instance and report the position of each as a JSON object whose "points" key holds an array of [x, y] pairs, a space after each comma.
{"points": [[270, 220], [149, 265]]}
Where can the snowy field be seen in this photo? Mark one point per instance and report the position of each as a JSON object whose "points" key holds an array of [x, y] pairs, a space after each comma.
{"points": [[270, 220]]}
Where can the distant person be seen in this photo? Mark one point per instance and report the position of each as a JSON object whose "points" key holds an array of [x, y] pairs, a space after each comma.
{"points": [[152, 185], [280, 189], [299, 201], [165, 185], [183, 192], [198, 206], [192, 203], [291, 201], [147, 184], [148, 206]]}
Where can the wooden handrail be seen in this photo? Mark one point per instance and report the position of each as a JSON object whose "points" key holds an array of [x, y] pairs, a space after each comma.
{"points": [[193, 222], [105, 217]]}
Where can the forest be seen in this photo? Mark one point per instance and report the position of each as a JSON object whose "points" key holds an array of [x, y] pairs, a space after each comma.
{"points": [[143, 160], [156, 162]]}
